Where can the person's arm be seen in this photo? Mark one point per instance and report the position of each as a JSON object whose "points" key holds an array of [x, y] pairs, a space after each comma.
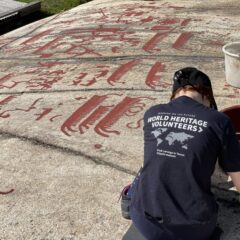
{"points": [[235, 176], [229, 158]]}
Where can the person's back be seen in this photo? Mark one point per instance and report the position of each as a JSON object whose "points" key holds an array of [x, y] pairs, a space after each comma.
{"points": [[182, 142]]}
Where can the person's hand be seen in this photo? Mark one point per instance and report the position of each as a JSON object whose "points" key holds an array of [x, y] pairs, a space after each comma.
{"points": [[235, 176]]}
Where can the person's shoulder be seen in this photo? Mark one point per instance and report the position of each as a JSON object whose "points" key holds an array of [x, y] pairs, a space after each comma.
{"points": [[155, 108], [219, 117]]}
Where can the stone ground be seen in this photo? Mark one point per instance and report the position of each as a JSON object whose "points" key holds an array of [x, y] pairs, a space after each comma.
{"points": [[73, 90]]}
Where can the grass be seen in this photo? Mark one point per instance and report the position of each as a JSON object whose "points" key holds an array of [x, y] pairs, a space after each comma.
{"points": [[50, 7]]}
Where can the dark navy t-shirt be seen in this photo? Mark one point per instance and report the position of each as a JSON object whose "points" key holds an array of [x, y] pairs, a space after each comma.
{"points": [[182, 142]]}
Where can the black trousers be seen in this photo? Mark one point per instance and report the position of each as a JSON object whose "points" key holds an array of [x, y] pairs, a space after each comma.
{"points": [[153, 230]]}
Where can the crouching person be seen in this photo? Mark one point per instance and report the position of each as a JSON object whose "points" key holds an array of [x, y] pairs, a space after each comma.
{"points": [[171, 196]]}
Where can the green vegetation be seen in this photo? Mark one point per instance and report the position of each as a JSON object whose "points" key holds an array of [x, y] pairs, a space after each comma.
{"points": [[50, 7]]}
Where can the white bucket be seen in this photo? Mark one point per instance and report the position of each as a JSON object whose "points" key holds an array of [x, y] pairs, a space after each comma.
{"points": [[232, 63]]}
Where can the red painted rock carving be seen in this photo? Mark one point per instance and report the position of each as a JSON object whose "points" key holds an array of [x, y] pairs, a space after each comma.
{"points": [[154, 76], [182, 40], [81, 113], [45, 112], [137, 125], [7, 192], [98, 146], [168, 26], [151, 44], [37, 37], [103, 117], [96, 115], [6, 113], [235, 93], [6, 100], [129, 106], [56, 116], [117, 75]]}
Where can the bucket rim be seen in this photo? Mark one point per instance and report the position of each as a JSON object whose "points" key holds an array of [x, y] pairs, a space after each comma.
{"points": [[230, 108], [228, 53]]}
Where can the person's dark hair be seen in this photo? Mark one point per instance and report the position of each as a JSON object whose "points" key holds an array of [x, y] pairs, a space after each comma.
{"points": [[204, 91], [192, 79]]}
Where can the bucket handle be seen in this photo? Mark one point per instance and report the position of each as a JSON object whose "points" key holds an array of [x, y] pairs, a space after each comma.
{"points": [[228, 53]]}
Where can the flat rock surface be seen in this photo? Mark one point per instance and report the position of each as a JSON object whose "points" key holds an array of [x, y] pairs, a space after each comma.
{"points": [[57, 194], [73, 91]]}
